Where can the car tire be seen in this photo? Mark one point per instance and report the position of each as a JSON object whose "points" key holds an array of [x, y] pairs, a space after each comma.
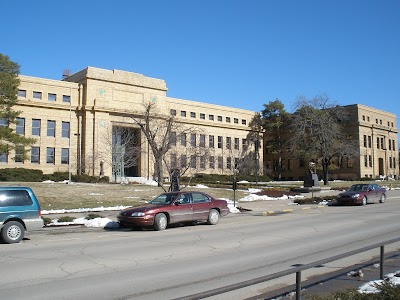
{"points": [[160, 222], [382, 198], [12, 232], [364, 201], [213, 217]]}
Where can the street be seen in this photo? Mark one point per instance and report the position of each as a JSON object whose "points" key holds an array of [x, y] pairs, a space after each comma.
{"points": [[92, 263]]}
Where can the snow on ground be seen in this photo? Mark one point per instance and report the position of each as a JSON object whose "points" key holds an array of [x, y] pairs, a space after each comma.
{"points": [[371, 287]]}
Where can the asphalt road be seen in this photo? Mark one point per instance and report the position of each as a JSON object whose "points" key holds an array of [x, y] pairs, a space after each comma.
{"points": [[92, 263]]}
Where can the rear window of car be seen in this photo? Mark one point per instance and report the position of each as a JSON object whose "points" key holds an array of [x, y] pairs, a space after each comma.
{"points": [[198, 198], [14, 198]]}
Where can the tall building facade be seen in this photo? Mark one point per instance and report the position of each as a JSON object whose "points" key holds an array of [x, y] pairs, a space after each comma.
{"points": [[73, 122]]}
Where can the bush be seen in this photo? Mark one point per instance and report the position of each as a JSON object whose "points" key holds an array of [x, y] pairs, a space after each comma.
{"points": [[46, 221], [21, 174], [66, 219], [93, 216]]}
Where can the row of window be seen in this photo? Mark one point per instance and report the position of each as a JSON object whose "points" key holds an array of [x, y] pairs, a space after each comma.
{"points": [[211, 141], [201, 162], [368, 161], [378, 121], [37, 126], [50, 97], [35, 155], [380, 143], [211, 117]]}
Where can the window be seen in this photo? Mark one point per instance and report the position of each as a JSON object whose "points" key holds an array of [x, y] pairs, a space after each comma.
{"points": [[202, 162], [35, 155], [211, 162], [390, 144], [380, 121], [363, 117], [228, 143], [51, 128], [376, 121], [390, 162], [65, 129], [388, 123], [51, 97], [20, 126], [211, 141], [15, 198], [383, 144], [369, 141], [172, 112], [236, 144], [220, 143], [211, 117], [244, 144], [236, 120], [22, 93], [370, 160], [202, 140], [202, 116], [227, 119], [3, 122], [66, 99], [172, 138], [199, 198], [19, 153], [183, 139], [183, 113], [368, 118], [4, 157], [366, 160], [36, 127], [37, 95], [64, 156], [228, 163], [219, 118], [193, 161], [183, 161], [377, 142], [220, 162], [393, 146], [50, 155], [193, 139], [173, 160], [244, 122], [192, 114], [349, 163], [365, 141]]}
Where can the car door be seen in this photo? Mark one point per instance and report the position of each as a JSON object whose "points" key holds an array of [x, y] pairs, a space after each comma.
{"points": [[201, 206], [372, 193], [182, 210]]}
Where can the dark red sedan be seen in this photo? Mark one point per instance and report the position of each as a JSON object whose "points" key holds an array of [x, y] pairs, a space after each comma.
{"points": [[175, 207], [362, 194]]}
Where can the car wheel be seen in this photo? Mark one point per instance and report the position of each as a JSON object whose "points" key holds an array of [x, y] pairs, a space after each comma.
{"points": [[160, 222], [382, 198], [213, 217], [364, 201], [12, 232]]}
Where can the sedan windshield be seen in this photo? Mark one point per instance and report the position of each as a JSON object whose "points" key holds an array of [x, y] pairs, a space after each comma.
{"points": [[163, 199]]}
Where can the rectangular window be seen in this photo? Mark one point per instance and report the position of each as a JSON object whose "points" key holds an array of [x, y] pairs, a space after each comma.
{"points": [[369, 141], [390, 145], [193, 139], [173, 160], [4, 157], [394, 162], [202, 162], [366, 160], [51, 128], [370, 160], [202, 140], [383, 144], [377, 142], [183, 113], [35, 155], [211, 141], [220, 162], [202, 116], [220, 143], [228, 163], [22, 93], [183, 139], [50, 155], [51, 97], [37, 95], [236, 143], [19, 153], [227, 119], [3, 122], [228, 143], [365, 141], [236, 120], [244, 144], [64, 156], [192, 114], [65, 129], [244, 122], [183, 161], [394, 146], [36, 127], [66, 99], [20, 126], [172, 112], [193, 161], [211, 162], [390, 162], [219, 118], [172, 138], [211, 117]]}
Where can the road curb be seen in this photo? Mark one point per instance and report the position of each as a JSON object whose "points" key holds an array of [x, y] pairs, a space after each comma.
{"points": [[281, 211]]}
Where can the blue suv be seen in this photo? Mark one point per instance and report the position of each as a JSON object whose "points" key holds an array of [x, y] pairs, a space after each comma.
{"points": [[19, 212]]}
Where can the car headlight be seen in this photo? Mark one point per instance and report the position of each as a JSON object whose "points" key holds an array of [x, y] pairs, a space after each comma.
{"points": [[137, 214], [356, 195]]}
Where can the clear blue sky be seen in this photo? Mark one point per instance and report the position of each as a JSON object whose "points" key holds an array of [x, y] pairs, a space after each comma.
{"points": [[235, 53]]}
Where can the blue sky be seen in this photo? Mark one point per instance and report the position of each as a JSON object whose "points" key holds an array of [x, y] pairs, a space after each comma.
{"points": [[235, 53]]}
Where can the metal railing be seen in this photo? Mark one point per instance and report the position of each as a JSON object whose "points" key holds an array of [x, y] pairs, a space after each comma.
{"points": [[296, 270]]}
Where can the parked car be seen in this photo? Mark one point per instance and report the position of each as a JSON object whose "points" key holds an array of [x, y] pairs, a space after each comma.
{"points": [[174, 207], [362, 194], [19, 212]]}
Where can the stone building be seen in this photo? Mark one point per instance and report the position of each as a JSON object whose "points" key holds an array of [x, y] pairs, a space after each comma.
{"points": [[73, 121]]}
